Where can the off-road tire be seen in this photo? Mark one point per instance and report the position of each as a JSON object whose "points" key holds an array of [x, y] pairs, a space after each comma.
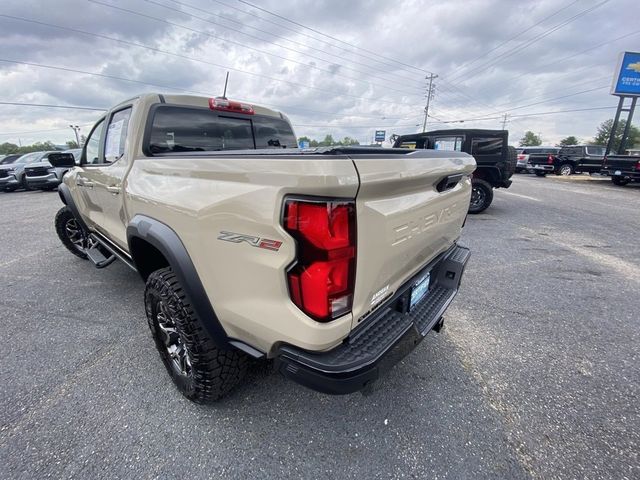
{"points": [[621, 182], [481, 195], [212, 372], [540, 174], [63, 217], [512, 160]]}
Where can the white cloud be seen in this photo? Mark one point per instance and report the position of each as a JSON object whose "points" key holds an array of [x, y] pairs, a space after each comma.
{"points": [[359, 90]]}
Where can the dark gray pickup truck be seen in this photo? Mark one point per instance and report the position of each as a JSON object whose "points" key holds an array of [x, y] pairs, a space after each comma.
{"points": [[622, 168]]}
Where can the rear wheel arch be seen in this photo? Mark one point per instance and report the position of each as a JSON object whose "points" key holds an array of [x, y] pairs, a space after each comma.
{"points": [[154, 244]]}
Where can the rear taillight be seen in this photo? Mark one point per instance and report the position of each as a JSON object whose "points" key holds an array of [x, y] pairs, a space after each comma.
{"points": [[520, 157], [230, 106], [638, 166], [322, 279], [550, 159]]}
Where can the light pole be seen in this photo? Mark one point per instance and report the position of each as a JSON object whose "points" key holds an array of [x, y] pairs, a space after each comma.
{"points": [[76, 130]]}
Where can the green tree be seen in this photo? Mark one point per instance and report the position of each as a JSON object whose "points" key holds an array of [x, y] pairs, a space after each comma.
{"points": [[349, 141], [570, 140], [604, 130], [7, 148], [328, 141], [530, 139], [72, 144]]}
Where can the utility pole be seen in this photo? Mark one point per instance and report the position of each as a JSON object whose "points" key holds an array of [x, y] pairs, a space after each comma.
{"points": [[504, 120], [431, 77], [76, 129]]}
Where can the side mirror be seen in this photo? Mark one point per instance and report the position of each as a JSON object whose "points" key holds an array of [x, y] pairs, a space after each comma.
{"points": [[62, 160]]}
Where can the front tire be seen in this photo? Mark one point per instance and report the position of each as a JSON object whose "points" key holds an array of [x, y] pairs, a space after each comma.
{"points": [[202, 372], [70, 233], [565, 170], [481, 196]]}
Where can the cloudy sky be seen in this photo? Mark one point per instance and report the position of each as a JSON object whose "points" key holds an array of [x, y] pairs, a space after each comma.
{"points": [[335, 67]]}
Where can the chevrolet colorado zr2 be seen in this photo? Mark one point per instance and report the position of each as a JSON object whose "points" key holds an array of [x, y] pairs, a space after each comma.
{"points": [[334, 263]]}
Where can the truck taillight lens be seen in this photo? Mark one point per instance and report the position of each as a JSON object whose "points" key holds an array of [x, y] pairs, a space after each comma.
{"points": [[520, 157], [550, 159], [322, 279], [638, 166], [230, 106]]}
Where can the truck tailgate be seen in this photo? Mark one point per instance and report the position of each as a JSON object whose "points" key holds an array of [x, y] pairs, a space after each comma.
{"points": [[404, 221]]}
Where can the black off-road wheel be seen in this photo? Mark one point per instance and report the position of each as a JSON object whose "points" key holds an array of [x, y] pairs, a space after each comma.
{"points": [[621, 182], [481, 196], [70, 233], [202, 372]]}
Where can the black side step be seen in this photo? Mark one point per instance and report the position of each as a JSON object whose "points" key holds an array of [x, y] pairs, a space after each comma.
{"points": [[100, 256]]}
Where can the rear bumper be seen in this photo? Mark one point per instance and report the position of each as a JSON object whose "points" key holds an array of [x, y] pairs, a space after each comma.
{"points": [[544, 167], [630, 175], [381, 340]]}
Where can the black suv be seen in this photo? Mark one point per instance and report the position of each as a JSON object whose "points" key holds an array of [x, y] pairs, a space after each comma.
{"points": [[496, 160], [573, 159]]}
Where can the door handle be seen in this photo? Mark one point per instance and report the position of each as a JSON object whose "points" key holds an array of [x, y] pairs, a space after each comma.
{"points": [[84, 183], [114, 189]]}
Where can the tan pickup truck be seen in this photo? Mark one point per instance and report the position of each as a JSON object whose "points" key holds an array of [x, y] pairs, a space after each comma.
{"points": [[334, 263]]}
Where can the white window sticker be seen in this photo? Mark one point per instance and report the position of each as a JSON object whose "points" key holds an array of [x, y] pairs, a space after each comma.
{"points": [[114, 135]]}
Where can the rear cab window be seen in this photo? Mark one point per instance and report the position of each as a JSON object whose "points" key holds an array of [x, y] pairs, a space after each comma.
{"points": [[176, 129], [595, 151]]}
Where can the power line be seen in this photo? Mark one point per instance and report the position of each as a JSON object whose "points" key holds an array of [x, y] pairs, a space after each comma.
{"points": [[333, 38], [530, 42], [468, 64], [185, 57], [264, 52], [124, 79], [42, 131], [594, 47], [71, 107], [528, 114], [557, 98], [183, 4]]}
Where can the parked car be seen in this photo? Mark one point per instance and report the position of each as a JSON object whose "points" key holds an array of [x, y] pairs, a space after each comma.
{"points": [[42, 175], [572, 159], [525, 155], [12, 176], [12, 157], [495, 159], [622, 169], [248, 245]]}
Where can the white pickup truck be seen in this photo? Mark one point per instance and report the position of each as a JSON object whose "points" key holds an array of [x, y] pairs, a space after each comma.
{"points": [[333, 262]]}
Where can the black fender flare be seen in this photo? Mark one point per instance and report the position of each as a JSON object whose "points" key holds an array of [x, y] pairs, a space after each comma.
{"points": [[163, 238], [67, 199]]}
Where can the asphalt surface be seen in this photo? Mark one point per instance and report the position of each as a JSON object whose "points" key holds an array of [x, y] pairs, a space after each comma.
{"points": [[536, 374]]}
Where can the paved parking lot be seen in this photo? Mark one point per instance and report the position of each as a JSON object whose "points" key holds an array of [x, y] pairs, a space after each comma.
{"points": [[535, 375]]}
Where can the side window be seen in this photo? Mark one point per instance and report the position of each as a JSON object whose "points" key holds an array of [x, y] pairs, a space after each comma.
{"points": [[448, 143], [93, 145], [116, 135], [486, 146]]}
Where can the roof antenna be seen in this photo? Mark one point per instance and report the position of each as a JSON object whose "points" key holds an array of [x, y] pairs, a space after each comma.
{"points": [[226, 80]]}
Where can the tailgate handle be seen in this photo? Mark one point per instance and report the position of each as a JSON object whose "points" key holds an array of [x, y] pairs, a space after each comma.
{"points": [[447, 183]]}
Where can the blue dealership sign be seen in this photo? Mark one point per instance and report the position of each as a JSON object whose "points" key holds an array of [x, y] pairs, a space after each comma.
{"points": [[380, 134], [627, 79]]}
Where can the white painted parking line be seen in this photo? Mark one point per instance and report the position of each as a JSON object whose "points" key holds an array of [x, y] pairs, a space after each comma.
{"points": [[519, 195]]}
